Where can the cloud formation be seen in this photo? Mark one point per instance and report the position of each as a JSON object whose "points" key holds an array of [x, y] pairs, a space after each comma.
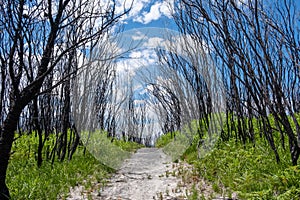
{"points": [[144, 11], [156, 11]]}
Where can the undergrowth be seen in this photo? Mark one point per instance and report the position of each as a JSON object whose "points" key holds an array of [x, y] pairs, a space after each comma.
{"points": [[248, 170], [163, 140], [128, 146], [52, 181], [26, 181]]}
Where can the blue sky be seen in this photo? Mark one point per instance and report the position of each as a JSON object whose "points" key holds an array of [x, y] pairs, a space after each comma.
{"points": [[148, 13], [142, 18], [145, 14], [156, 13], [144, 25]]}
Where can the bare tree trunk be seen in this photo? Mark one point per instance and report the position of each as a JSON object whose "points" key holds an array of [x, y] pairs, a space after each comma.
{"points": [[6, 139], [39, 132]]}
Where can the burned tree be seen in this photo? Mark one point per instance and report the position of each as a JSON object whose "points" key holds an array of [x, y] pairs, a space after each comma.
{"points": [[256, 47], [34, 41]]}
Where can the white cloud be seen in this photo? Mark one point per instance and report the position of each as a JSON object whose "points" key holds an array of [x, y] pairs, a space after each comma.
{"points": [[137, 59], [241, 2], [135, 54], [138, 14], [154, 42], [157, 10], [166, 9], [154, 14], [139, 36], [136, 8]]}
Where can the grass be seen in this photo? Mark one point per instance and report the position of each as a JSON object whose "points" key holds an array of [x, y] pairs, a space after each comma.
{"points": [[248, 170], [128, 146], [112, 154], [163, 140], [26, 181]]}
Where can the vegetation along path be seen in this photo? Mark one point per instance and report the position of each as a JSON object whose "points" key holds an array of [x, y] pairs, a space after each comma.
{"points": [[148, 174]]}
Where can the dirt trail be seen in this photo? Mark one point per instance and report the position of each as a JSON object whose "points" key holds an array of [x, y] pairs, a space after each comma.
{"points": [[148, 174], [142, 177]]}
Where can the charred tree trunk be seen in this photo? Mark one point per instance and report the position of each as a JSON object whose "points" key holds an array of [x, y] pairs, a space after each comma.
{"points": [[7, 136], [39, 132]]}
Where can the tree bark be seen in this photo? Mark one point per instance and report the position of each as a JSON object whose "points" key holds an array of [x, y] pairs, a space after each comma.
{"points": [[6, 141], [19, 101]]}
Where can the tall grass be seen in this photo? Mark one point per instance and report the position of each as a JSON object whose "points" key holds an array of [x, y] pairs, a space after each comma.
{"points": [[26, 181], [249, 170]]}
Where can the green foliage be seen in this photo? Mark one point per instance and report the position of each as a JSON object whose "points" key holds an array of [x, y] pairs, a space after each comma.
{"points": [[250, 171], [107, 150], [173, 144], [127, 146], [27, 181], [247, 169], [165, 139], [191, 152], [26, 145], [194, 194]]}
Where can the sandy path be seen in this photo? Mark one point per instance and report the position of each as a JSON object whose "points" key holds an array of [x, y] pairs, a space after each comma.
{"points": [[148, 175], [144, 176]]}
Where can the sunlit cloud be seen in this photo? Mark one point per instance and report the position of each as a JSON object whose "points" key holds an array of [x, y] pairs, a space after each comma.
{"points": [[139, 36], [156, 11], [154, 42]]}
